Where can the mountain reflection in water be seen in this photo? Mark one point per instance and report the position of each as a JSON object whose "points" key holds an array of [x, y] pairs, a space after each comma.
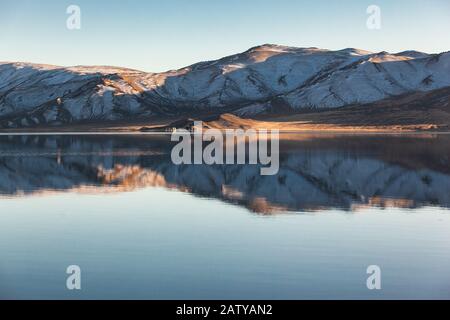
{"points": [[316, 172]]}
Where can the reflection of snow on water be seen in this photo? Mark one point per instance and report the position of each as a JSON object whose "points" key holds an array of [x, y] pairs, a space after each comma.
{"points": [[315, 173], [80, 154]]}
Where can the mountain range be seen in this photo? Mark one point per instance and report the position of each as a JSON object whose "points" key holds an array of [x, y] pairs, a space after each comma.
{"points": [[264, 81]]}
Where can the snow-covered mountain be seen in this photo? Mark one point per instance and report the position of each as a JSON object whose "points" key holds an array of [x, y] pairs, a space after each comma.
{"points": [[268, 78]]}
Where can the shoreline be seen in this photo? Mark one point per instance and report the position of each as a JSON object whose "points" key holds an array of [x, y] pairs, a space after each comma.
{"points": [[296, 124], [164, 133]]}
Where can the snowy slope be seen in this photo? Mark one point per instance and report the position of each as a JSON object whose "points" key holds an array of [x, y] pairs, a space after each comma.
{"points": [[263, 79]]}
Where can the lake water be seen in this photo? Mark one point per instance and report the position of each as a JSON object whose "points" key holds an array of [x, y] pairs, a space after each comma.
{"points": [[140, 227]]}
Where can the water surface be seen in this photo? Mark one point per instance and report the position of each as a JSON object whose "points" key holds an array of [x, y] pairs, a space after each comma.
{"points": [[141, 227]]}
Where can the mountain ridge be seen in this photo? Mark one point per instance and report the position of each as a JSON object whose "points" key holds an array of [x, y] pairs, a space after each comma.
{"points": [[262, 80]]}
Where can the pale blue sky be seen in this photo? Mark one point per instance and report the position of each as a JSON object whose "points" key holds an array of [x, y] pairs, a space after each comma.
{"points": [[161, 35]]}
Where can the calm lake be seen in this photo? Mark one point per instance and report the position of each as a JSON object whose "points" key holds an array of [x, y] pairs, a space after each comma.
{"points": [[141, 227]]}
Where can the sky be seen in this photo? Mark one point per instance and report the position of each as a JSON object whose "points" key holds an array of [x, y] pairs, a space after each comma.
{"points": [[157, 36]]}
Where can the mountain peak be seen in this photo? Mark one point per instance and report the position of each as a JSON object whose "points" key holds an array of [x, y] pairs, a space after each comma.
{"points": [[355, 51], [268, 46], [412, 54]]}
